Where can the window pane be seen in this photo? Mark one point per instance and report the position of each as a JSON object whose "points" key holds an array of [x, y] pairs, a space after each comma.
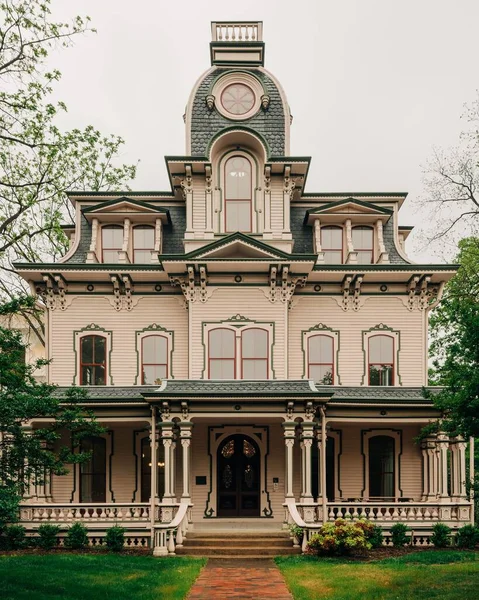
{"points": [[155, 349], [331, 238], [237, 178], [254, 343], [333, 257], [365, 257], [381, 349], [112, 237], [362, 238], [111, 257], [99, 376], [87, 349], [144, 237], [100, 343], [154, 374], [321, 374], [222, 343], [238, 215], [222, 369], [142, 256], [255, 369], [320, 349], [381, 467]]}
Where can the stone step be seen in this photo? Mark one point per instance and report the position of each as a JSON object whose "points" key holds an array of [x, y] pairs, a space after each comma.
{"points": [[239, 551], [244, 541], [230, 535]]}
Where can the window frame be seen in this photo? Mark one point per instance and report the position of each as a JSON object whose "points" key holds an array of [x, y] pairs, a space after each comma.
{"points": [[142, 361], [249, 200], [235, 352], [321, 329], [108, 226], [382, 364], [373, 245], [382, 329], [366, 435], [242, 359], [134, 249], [309, 363], [324, 250], [93, 364], [92, 474]]}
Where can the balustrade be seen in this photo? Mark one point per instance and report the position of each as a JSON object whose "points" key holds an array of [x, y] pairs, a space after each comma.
{"points": [[65, 513], [237, 32]]}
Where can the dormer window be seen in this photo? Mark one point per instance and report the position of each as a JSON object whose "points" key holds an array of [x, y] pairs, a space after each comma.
{"points": [[143, 243], [332, 244], [363, 244], [112, 242], [238, 194]]}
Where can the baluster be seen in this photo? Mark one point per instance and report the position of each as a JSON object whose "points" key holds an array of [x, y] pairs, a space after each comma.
{"points": [[355, 514], [171, 542], [305, 540], [179, 537], [60, 516], [233, 33], [240, 32], [253, 32], [395, 513], [102, 513], [136, 514]]}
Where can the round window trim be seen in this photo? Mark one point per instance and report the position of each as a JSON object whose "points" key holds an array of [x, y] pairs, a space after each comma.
{"points": [[238, 79], [237, 99]]}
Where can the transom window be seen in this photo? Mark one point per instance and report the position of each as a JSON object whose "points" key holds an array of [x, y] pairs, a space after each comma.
{"points": [[154, 353], [253, 352], [381, 360], [332, 244], [363, 244], [93, 471], [93, 360], [321, 359], [112, 243], [238, 194], [143, 243]]}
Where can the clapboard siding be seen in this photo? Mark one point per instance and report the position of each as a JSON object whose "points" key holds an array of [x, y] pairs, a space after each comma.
{"points": [[225, 303], [308, 312], [84, 310]]}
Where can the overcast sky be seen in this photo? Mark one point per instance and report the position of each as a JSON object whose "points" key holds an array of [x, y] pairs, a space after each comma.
{"points": [[373, 85]]}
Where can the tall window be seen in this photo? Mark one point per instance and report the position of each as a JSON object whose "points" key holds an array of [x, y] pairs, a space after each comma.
{"points": [[332, 244], [363, 244], [381, 360], [111, 242], [93, 472], [93, 360], [146, 470], [154, 356], [143, 243], [238, 194], [321, 359], [254, 354], [381, 467], [222, 354]]}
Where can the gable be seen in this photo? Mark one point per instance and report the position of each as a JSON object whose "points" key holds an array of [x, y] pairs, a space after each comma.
{"points": [[238, 246], [350, 207], [126, 206]]}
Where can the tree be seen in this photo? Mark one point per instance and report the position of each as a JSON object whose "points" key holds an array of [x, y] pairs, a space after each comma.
{"points": [[452, 185], [26, 454], [39, 161], [454, 328]]}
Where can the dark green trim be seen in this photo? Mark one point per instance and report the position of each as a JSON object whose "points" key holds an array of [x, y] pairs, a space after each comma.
{"points": [[399, 454], [379, 329], [318, 329], [139, 203], [92, 329], [321, 209], [152, 329], [351, 194], [238, 127], [387, 267], [76, 194]]}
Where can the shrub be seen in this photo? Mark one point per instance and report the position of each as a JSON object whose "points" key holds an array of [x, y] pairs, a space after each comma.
{"points": [[467, 537], [398, 535], [47, 536], [9, 502], [376, 537], [441, 535], [297, 532], [15, 537], [115, 538], [77, 537], [340, 537]]}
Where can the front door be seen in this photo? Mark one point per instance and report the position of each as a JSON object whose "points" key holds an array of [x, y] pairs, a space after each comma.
{"points": [[238, 477]]}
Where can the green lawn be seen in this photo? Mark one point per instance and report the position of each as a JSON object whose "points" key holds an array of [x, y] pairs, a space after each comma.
{"points": [[91, 576], [449, 575]]}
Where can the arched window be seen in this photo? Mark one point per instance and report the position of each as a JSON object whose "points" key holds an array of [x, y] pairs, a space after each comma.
{"points": [[154, 357], [254, 354], [332, 244], [238, 194], [111, 243], [381, 467], [321, 359], [363, 244], [143, 243], [93, 471], [222, 354], [381, 360], [93, 360], [145, 483]]}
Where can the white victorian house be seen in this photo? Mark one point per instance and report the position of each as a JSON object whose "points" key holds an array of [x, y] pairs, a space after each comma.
{"points": [[262, 345]]}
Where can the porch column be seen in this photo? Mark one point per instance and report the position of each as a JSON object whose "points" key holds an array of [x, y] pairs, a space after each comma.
{"points": [[185, 437], [432, 469], [307, 443], [319, 443], [458, 468], [173, 466], [167, 439], [39, 481], [442, 448], [425, 471], [289, 437]]}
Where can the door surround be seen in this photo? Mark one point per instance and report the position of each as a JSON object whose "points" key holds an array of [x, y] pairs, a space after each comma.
{"points": [[216, 435]]}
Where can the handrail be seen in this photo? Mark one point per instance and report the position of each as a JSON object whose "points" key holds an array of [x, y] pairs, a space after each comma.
{"points": [[169, 536], [308, 528], [180, 515]]}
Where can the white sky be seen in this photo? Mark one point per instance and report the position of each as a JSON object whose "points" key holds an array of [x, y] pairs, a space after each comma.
{"points": [[373, 85]]}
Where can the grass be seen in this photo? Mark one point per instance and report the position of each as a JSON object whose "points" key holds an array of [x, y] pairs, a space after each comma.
{"points": [[105, 576], [447, 574]]}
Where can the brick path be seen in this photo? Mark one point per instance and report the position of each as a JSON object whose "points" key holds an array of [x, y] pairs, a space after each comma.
{"points": [[240, 579]]}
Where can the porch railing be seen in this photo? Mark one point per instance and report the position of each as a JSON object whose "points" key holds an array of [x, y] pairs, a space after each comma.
{"points": [[92, 513], [405, 512]]}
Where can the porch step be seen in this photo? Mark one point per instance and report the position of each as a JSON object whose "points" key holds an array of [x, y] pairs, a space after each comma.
{"points": [[233, 544]]}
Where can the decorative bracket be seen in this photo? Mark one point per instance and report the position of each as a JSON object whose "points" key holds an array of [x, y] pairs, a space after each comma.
{"points": [[165, 411], [272, 283], [265, 101], [345, 287], [122, 292], [187, 183], [210, 102], [351, 289], [54, 293], [193, 285]]}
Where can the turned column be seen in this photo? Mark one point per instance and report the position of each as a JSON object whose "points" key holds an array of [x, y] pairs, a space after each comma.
{"points": [[167, 439], [289, 437], [307, 443], [442, 455], [185, 438], [458, 468], [432, 469]]}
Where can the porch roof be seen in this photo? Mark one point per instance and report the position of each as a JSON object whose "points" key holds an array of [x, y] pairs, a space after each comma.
{"points": [[378, 395]]}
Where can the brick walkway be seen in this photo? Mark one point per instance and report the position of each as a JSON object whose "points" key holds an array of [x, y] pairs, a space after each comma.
{"points": [[241, 579]]}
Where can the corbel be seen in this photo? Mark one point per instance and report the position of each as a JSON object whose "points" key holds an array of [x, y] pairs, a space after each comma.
{"points": [[165, 411], [187, 182], [128, 286], [423, 299], [62, 288], [357, 291], [116, 292], [309, 411], [272, 283], [290, 410], [284, 283], [180, 281], [185, 413], [265, 101], [299, 281], [49, 293], [191, 280], [345, 289], [203, 282], [411, 289], [383, 255], [210, 102]]}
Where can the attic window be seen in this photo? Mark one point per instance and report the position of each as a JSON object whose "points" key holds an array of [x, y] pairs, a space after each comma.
{"points": [[112, 242], [143, 243]]}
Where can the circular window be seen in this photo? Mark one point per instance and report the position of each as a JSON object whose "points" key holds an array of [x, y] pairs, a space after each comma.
{"points": [[237, 99]]}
